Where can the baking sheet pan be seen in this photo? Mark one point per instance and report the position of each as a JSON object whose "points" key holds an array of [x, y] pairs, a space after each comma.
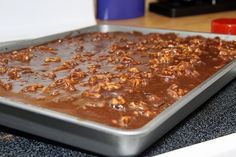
{"points": [[97, 137]]}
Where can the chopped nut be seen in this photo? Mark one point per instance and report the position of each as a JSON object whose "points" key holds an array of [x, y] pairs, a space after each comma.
{"points": [[50, 75], [110, 59], [182, 69], [64, 99], [124, 121], [96, 104], [66, 65], [91, 95], [120, 67], [77, 74], [97, 88], [147, 75], [52, 59], [130, 90], [32, 88], [55, 93], [154, 61], [152, 97], [25, 70], [70, 64], [123, 78], [114, 121], [47, 49], [134, 70], [22, 56], [46, 89], [121, 100], [144, 82], [135, 82], [118, 101], [6, 86], [114, 101], [176, 92], [166, 58], [69, 85], [92, 69], [148, 114], [223, 53], [40, 97], [77, 57], [13, 74], [101, 104], [4, 61], [92, 80], [3, 70], [65, 83], [127, 60], [138, 106], [109, 86]]}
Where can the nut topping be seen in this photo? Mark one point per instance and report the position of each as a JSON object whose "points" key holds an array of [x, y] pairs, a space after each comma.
{"points": [[6, 86], [118, 101], [52, 59], [122, 79], [31, 88], [134, 70], [124, 121]]}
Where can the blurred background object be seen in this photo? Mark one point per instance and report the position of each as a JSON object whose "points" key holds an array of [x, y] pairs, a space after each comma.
{"points": [[177, 8], [224, 26], [27, 19], [119, 9]]}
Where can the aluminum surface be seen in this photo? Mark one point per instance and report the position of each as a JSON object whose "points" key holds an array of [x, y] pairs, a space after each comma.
{"points": [[97, 137]]}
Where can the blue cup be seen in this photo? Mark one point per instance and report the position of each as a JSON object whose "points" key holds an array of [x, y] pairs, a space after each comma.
{"points": [[119, 9]]}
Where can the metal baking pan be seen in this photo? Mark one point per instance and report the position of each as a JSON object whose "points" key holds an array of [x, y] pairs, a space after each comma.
{"points": [[100, 138]]}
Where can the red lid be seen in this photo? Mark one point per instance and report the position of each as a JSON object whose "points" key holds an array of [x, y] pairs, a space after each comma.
{"points": [[224, 26]]}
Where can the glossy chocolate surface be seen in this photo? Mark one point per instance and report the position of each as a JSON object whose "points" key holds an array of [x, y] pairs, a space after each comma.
{"points": [[119, 79]]}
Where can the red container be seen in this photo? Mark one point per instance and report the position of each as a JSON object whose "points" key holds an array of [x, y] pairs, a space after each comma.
{"points": [[224, 26]]}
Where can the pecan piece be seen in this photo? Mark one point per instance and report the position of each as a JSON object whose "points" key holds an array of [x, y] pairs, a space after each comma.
{"points": [[118, 100], [109, 86], [134, 70], [3, 70], [6, 86], [91, 95], [50, 75], [47, 49], [52, 59], [92, 80], [32, 88], [77, 74], [13, 74], [176, 92], [135, 82], [124, 121]]}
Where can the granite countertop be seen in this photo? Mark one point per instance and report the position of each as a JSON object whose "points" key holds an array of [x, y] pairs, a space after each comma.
{"points": [[215, 118]]}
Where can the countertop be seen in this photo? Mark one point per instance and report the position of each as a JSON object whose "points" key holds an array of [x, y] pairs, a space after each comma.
{"points": [[199, 23], [213, 119]]}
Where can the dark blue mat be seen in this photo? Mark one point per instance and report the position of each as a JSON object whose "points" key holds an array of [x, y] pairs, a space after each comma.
{"points": [[215, 118]]}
